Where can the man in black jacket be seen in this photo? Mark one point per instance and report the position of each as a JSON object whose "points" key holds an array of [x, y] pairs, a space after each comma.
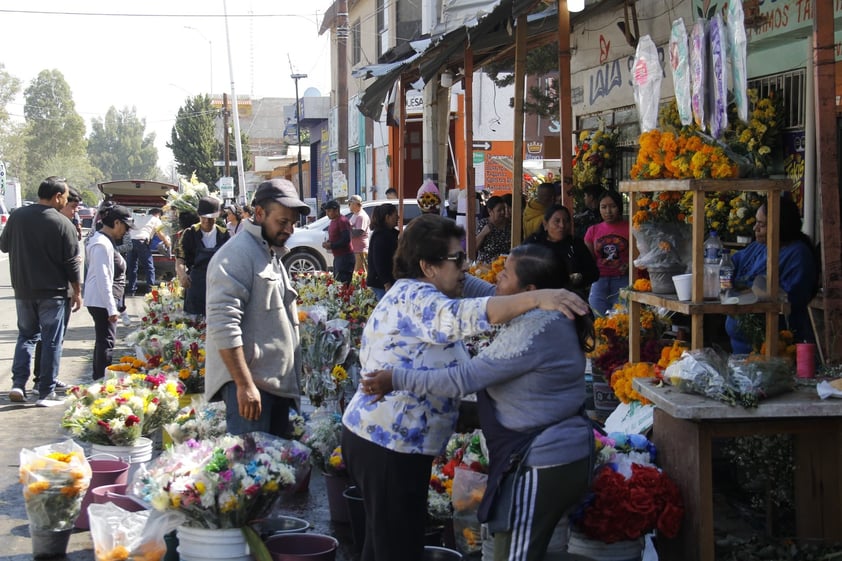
{"points": [[45, 269]]}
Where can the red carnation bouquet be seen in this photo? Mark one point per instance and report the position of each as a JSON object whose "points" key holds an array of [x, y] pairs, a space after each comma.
{"points": [[629, 496]]}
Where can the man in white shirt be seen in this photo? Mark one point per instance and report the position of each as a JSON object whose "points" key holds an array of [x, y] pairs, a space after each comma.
{"points": [[145, 229], [360, 231]]}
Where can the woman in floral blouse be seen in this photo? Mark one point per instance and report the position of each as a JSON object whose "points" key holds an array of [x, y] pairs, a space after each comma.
{"points": [[389, 444]]}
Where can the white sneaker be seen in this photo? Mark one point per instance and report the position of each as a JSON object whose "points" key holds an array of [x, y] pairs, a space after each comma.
{"points": [[127, 320], [50, 401], [17, 395]]}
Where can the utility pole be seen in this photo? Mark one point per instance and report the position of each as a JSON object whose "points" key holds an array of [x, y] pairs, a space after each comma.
{"points": [[342, 88], [297, 77], [225, 135]]}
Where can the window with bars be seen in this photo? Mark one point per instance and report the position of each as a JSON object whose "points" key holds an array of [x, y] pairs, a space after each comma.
{"points": [[792, 88], [356, 48]]}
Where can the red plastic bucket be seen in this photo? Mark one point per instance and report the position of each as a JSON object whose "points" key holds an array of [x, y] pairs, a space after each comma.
{"points": [[103, 472], [302, 547], [116, 494]]}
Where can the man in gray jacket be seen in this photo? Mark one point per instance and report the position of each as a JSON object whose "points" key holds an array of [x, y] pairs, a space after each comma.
{"points": [[253, 359]]}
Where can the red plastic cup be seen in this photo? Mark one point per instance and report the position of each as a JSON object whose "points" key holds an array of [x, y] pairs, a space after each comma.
{"points": [[805, 360]]}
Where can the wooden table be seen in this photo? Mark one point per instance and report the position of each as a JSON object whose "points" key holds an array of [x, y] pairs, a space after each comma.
{"points": [[686, 424]]}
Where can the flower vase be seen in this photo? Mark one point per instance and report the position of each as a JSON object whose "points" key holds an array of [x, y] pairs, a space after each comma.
{"points": [[335, 485], [596, 550], [49, 544]]}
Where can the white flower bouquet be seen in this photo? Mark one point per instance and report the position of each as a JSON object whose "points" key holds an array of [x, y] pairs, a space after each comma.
{"points": [[322, 436], [120, 409], [198, 421], [55, 478], [325, 344], [224, 482]]}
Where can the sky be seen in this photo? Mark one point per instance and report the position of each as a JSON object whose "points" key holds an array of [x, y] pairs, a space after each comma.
{"points": [[142, 54]]}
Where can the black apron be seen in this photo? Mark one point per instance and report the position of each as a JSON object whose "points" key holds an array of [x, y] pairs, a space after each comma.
{"points": [[506, 448], [194, 296]]}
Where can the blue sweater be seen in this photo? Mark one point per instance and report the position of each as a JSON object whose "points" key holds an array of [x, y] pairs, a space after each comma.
{"points": [[532, 381], [798, 276]]}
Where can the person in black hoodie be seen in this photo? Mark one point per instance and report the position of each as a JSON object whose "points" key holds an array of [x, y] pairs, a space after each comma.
{"points": [[45, 269], [381, 249], [556, 233]]}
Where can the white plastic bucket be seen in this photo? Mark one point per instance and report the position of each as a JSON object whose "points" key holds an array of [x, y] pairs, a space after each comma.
{"points": [[135, 455], [683, 286], [601, 551], [203, 544]]}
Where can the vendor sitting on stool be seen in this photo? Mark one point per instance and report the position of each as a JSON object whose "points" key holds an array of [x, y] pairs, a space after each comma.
{"points": [[798, 273]]}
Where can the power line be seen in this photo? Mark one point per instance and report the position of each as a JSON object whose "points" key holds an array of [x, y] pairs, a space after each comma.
{"points": [[136, 15]]}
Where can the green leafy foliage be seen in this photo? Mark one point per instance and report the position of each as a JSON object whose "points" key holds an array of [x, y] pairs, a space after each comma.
{"points": [[119, 147], [192, 142]]}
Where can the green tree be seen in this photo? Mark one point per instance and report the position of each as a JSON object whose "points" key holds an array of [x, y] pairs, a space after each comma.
{"points": [[541, 61], [76, 168], [54, 131], [119, 147], [12, 150], [193, 144]]}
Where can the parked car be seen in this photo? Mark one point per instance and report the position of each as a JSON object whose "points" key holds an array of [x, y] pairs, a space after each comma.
{"points": [[139, 196], [306, 254], [4, 215], [86, 216]]}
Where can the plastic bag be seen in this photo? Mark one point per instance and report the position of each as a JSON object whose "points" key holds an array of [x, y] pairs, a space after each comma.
{"points": [[680, 64], [119, 534], [666, 246], [754, 378], [698, 72], [737, 42], [718, 76], [199, 420], [55, 478], [468, 489], [701, 371], [646, 77]]}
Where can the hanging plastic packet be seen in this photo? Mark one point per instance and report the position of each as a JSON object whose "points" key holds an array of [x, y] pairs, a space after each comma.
{"points": [[737, 50], [719, 76], [646, 77], [698, 71], [680, 64]]}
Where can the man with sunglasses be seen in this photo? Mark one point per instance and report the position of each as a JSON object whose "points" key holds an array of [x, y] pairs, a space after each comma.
{"points": [[45, 270]]}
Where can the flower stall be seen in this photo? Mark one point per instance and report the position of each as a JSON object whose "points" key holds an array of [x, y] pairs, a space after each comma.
{"points": [[629, 497]]}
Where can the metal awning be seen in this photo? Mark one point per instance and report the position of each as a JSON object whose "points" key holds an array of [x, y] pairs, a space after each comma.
{"points": [[486, 31]]}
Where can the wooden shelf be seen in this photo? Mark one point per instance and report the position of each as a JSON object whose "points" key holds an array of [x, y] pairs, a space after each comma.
{"points": [[673, 304], [698, 306], [705, 185]]}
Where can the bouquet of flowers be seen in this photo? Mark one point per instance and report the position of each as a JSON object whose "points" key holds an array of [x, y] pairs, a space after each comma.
{"points": [[741, 214], [682, 155], [325, 344], [760, 136], [198, 421], [593, 157], [335, 464], [322, 435], [166, 299], [612, 338], [120, 409], [439, 504], [187, 198], [223, 482], [55, 478], [622, 379], [629, 495], [489, 271]]}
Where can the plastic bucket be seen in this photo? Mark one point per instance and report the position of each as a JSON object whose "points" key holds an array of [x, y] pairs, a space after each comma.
{"points": [[116, 494], [135, 455], [600, 551], [605, 401], [335, 485], [202, 544], [109, 470], [683, 286], [49, 544], [302, 547], [279, 524], [433, 553], [356, 513]]}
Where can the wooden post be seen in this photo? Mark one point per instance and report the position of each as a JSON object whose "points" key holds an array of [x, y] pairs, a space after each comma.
{"points": [[824, 76], [517, 133], [565, 108], [401, 149], [470, 184]]}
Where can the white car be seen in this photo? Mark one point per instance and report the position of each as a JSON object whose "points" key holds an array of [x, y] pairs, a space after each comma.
{"points": [[306, 254]]}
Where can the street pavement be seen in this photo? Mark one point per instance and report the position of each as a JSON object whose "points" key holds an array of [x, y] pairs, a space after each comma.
{"points": [[27, 426]]}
